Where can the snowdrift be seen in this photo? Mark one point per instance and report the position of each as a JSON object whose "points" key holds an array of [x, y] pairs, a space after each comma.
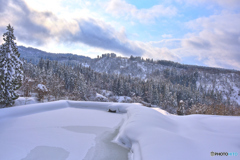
{"points": [[149, 134], [146, 133]]}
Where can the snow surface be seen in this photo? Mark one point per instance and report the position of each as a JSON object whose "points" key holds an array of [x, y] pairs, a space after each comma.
{"points": [[152, 135], [235, 95], [56, 131], [25, 100], [107, 93], [101, 97], [123, 98], [84, 130], [85, 65], [42, 87]]}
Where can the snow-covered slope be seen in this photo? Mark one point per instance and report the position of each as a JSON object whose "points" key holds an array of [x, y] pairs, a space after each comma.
{"points": [[84, 130], [212, 80], [225, 83]]}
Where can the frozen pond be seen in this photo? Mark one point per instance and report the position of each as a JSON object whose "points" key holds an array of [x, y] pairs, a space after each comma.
{"points": [[103, 149], [46, 152]]}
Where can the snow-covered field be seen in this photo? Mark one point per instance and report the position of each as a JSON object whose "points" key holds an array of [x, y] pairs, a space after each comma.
{"points": [[70, 130]]}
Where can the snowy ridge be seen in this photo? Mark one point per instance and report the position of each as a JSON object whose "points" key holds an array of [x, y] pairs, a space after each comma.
{"points": [[151, 135], [139, 139], [14, 112], [145, 132]]}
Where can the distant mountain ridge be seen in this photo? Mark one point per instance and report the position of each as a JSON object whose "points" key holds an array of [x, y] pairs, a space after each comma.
{"points": [[33, 54]]}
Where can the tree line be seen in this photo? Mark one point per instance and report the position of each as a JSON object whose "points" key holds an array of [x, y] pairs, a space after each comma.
{"points": [[75, 82]]}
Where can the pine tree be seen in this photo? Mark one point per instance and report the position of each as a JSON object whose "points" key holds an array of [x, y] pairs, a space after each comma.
{"points": [[11, 73], [155, 95]]}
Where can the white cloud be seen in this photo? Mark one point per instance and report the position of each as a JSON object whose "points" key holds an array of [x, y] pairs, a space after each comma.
{"points": [[167, 43], [40, 5], [159, 53], [122, 8], [215, 41], [223, 3]]}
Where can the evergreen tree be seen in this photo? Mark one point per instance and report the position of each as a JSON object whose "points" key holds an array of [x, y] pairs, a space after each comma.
{"points": [[155, 96], [11, 73]]}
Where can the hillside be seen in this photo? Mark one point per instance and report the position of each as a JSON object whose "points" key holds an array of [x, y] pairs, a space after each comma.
{"points": [[110, 63], [181, 82], [34, 55]]}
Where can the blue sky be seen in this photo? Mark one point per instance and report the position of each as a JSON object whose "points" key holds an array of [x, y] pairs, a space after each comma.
{"points": [[199, 32]]}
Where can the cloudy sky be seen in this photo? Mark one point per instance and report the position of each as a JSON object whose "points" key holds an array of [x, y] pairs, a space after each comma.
{"points": [[199, 32]]}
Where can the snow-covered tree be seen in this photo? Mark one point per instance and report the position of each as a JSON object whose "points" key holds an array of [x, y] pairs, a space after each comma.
{"points": [[11, 73], [42, 91]]}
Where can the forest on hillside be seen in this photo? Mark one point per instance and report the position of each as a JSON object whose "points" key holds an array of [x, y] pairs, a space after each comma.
{"points": [[76, 82]]}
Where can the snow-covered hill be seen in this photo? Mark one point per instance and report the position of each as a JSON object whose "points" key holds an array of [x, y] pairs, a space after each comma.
{"points": [[70, 130], [208, 80], [34, 55]]}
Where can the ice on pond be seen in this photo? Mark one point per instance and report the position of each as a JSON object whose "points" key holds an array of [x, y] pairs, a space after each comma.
{"points": [[47, 153], [106, 149]]}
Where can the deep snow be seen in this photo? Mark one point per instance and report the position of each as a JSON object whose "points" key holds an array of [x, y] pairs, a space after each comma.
{"points": [[25, 100], [84, 130]]}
